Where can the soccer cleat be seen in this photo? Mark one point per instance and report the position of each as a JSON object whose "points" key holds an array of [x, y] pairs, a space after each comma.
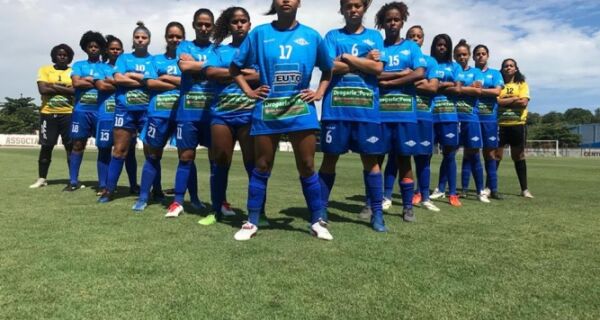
{"points": [[73, 187], [378, 224], [247, 232], [486, 191], [430, 206], [208, 220], [526, 194], [319, 230], [99, 193], [174, 210], [386, 204], [365, 213], [437, 194], [139, 205], [408, 215], [496, 195], [453, 199], [105, 196], [197, 205], [40, 182], [416, 198], [226, 209], [464, 194], [134, 190], [483, 198]]}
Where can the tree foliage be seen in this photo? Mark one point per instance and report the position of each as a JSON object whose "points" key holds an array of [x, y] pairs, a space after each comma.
{"points": [[555, 131], [19, 116]]}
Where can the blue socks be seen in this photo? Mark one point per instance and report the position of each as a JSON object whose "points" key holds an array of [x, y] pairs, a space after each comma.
{"points": [[114, 171], [149, 173], [407, 188], [492, 175], [367, 191], [102, 166], [75, 159], [477, 170], [423, 164], [375, 192], [326, 180], [182, 176], [391, 170], [451, 172], [257, 189], [219, 180], [192, 184], [465, 172], [443, 179], [311, 188]]}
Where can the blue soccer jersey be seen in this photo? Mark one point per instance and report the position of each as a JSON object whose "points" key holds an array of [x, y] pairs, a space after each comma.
{"points": [[444, 108], [86, 100], [466, 106], [164, 104], [488, 106], [353, 96], [106, 100], [197, 93], [285, 61], [133, 99], [230, 101], [424, 102], [398, 104]]}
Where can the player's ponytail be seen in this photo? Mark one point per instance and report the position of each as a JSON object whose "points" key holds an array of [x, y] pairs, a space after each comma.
{"points": [[271, 11], [463, 43], [142, 27]]}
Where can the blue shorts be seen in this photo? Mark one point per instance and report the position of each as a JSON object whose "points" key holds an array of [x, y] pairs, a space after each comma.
{"points": [[158, 131], [237, 121], [130, 120], [400, 138], [425, 141], [193, 133], [489, 135], [470, 135], [339, 137], [446, 133], [104, 134], [83, 125]]}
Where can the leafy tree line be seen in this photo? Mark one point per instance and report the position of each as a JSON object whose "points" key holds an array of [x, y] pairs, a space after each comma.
{"points": [[19, 116]]}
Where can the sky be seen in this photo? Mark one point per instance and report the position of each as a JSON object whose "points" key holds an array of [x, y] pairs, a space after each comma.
{"points": [[556, 43]]}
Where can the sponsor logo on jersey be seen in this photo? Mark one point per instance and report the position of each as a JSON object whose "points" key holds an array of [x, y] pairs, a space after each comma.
{"points": [[302, 42], [369, 42], [405, 52], [269, 40], [287, 77]]}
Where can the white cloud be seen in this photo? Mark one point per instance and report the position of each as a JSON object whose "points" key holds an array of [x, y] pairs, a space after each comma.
{"points": [[553, 54]]}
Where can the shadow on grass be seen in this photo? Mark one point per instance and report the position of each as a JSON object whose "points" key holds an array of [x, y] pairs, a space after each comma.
{"points": [[303, 213]]}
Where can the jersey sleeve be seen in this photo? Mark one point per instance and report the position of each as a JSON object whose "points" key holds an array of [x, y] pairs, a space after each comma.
{"points": [[329, 45], [432, 70], [42, 75], [324, 60], [457, 73], [182, 48], [418, 59], [120, 65], [380, 47], [524, 90], [246, 55], [152, 70], [213, 60], [77, 70], [498, 80], [479, 77]]}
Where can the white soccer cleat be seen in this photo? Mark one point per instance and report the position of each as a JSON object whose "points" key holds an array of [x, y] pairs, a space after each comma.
{"points": [[247, 232], [430, 206], [319, 230], [175, 209], [486, 192], [483, 198], [386, 204], [526, 194], [437, 194], [226, 210], [40, 182]]}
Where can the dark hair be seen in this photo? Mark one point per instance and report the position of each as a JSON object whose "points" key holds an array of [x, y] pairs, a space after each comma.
{"points": [[92, 36], [463, 43], [202, 11], [415, 27], [271, 11], [177, 25], [380, 15], [142, 27], [448, 56], [481, 46], [65, 47], [519, 77], [110, 39], [221, 30], [366, 4]]}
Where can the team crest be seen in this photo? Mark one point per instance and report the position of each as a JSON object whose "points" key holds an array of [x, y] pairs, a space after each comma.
{"points": [[405, 52], [369, 42], [301, 42]]}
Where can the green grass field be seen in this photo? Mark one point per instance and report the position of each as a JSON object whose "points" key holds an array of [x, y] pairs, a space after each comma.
{"points": [[63, 256]]}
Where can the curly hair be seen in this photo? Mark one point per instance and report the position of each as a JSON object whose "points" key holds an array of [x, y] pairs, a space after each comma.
{"points": [[380, 15], [221, 30], [62, 46], [110, 39], [92, 36]]}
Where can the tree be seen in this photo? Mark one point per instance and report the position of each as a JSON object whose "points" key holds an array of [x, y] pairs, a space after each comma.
{"points": [[578, 116], [534, 118], [552, 117], [19, 115], [597, 115], [555, 131]]}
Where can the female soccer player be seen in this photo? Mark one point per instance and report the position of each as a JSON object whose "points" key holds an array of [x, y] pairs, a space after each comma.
{"points": [[285, 53], [512, 117], [85, 115], [55, 86], [445, 118], [193, 112], [163, 84], [426, 89], [405, 66], [106, 118], [350, 116], [468, 115], [231, 111], [488, 117], [132, 99]]}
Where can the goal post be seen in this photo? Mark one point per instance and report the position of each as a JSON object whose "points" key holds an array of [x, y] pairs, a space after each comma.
{"points": [[542, 148]]}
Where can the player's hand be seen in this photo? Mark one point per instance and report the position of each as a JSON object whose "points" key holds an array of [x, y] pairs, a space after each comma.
{"points": [[420, 82], [260, 93], [374, 55], [186, 57], [476, 84], [308, 96]]}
